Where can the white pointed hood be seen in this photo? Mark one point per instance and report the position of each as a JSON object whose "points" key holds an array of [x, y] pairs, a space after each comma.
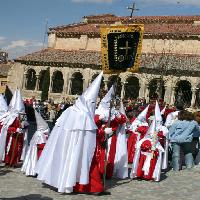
{"points": [[152, 129], [19, 104], [163, 111], [104, 105], [41, 123], [158, 115], [143, 114], [87, 101], [13, 100], [3, 104], [80, 116], [122, 109]]}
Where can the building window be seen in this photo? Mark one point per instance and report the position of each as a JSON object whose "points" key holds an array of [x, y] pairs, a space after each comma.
{"points": [[30, 79], [57, 82], [77, 84]]}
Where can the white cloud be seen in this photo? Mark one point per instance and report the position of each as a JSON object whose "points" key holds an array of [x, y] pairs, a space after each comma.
{"points": [[92, 1], [22, 44], [18, 48], [179, 2]]}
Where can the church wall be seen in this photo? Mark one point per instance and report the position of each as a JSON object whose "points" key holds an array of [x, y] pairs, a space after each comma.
{"points": [[171, 46], [15, 76], [149, 45], [52, 40]]}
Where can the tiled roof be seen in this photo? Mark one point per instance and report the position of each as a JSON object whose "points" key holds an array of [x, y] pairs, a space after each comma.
{"points": [[141, 19], [153, 25], [54, 56], [4, 69], [149, 29], [92, 59]]}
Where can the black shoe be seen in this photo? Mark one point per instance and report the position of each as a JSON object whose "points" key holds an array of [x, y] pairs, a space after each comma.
{"points": [[101, 193]]}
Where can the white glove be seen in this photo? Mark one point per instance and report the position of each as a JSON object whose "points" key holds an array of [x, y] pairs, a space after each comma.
{"points": [[19, 130], [108, 131], [103, 118]]}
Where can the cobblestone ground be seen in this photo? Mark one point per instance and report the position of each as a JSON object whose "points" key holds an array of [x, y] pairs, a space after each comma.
{"points": [[180, 185]]}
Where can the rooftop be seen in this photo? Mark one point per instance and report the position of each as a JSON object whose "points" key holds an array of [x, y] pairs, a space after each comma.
{"points": [[153, 25]]}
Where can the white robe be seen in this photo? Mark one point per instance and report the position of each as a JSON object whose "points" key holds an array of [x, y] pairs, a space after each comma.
{"points": [[31, 159], [68, 153], [121, 156]]}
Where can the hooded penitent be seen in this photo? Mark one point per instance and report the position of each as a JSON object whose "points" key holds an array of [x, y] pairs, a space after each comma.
{"points": [[38, 138], [121, 156], [6, 120], [140, 120], [68, 153], [104, 105]]}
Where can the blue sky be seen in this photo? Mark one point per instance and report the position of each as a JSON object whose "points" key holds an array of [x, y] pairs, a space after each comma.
{"points": [[23, 22]]}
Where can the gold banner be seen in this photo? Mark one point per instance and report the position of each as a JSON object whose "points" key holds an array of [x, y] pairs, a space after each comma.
{"points": [[121, 47]]}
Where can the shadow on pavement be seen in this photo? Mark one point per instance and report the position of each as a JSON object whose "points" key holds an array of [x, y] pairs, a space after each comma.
{"points": [[29, 197], [4, 172]]}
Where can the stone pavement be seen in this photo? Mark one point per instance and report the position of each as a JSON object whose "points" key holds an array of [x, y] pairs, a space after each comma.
{"points": [[174, 185]]}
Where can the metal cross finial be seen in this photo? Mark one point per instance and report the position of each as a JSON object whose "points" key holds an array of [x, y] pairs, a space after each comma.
{"points": [[133, 8]]}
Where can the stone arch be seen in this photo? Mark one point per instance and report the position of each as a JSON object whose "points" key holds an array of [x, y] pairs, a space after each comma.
{"points": [[41, 79], [132, 87], [57, 82], [31, 79], [111, 80], [156, 88], [183, 93], [77, 83]]}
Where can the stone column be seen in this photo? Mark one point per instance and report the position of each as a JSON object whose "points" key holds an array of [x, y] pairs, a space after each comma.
{"points": [[85, 83], [142, 90], [69, 86], [167, 97], [122, 90], [146, 92], [37, 82], [65, 77], [172, 99], [193, 97], [24, 81], [50, 85]]}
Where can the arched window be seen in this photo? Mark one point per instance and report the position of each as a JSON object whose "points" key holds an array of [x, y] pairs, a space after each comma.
{"points": [[183, 93], [30, 79], [77, 84], [112, 80], [57, 82], [156, 89], [41, 79], [132, 87]]}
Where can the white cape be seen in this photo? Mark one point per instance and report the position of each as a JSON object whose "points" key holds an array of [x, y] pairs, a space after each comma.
{"points": [[31, 159], [121, 156], [68, 153]]}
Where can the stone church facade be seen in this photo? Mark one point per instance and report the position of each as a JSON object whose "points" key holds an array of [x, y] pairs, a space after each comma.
{"points": [[170, 61]]}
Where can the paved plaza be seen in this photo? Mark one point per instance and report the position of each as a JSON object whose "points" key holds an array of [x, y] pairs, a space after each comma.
{"points": [[174, 185]]}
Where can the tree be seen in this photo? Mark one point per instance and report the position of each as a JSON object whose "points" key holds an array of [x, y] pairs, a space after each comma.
{"points": [[45, 85]]}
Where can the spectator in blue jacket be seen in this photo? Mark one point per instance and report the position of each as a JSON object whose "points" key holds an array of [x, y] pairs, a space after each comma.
{"points": [[181, 136]]}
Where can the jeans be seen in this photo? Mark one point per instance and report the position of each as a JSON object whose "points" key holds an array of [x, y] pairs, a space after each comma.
{"points": [[187, 150]]}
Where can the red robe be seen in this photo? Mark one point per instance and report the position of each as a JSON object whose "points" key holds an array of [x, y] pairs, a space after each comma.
{"points": [[133, 139], [115, 123], [146, 148], [97, 166], [14, 144], [98, 162]]}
